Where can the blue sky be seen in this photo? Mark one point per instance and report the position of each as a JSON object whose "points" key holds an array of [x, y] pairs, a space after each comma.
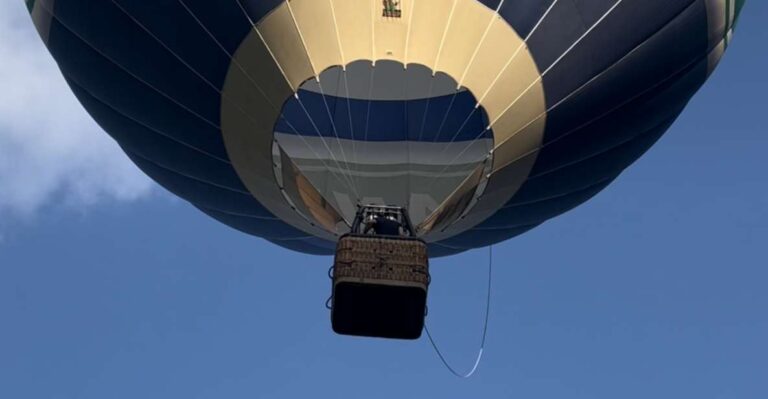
{"points": [[111, 288]]}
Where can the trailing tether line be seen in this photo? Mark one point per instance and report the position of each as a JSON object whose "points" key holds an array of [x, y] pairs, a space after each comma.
{"points": [[479, 356]]}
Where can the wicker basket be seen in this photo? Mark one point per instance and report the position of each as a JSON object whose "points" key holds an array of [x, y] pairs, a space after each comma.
{"points": [[380, 286], [371, 259]]}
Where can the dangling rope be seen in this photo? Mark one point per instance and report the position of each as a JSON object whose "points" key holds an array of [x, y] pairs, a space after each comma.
{"points": [[485, 328]]}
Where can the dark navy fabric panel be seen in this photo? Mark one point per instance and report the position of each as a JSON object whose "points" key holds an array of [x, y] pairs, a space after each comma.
{"points": [[613, 90], [536, 212], [200, 193], [436, 250], [258, 9], [579, 157], [604, 167], [320, 243], [646, 112], [483, 238], [164, 115], [575, 177], [555, 34], [304, 246], [590, 11], [129, 97], [439, 119], [492, 4], [602, 148], [114, 34], [224, 19], [264, 228], [177, 29], [555, 193], [161, 150], [606, 126], [523, 15], [630, 25], [574, 128], [446, 118], [554, 164], [584, 161]]}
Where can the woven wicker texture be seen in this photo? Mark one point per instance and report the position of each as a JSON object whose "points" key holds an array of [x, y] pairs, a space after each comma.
{"points": [[383, 259]]}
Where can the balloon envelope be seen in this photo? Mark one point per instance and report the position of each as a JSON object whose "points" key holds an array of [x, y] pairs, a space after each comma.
{"points": [[484, 118]]}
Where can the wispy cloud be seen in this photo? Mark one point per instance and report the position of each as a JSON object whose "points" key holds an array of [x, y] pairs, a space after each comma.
{"points": [[51, 152]]}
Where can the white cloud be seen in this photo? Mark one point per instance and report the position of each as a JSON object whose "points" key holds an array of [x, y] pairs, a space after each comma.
{"points": [[51, 151]]}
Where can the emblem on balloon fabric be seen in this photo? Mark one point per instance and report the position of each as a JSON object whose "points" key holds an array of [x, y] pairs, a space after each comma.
{"points": [[392, 9]]}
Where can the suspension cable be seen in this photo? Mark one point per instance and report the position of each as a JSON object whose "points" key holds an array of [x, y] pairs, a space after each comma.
{"points": [[325, 103], [544, 73], [480, 351], [463, 75], [498, 76], [340, 176]]}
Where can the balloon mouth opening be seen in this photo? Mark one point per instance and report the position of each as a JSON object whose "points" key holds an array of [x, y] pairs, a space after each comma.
{"points": [[383, 134]]}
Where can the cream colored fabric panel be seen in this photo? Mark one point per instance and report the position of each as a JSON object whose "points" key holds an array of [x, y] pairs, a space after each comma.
{"points": [[461, 38], [517, 139], [355, 25], [498, 50], [245, 144], [256, 85], [312, 203], [360, 81], [430, 18], [501, 186], [515, 100], [389, 33], [504, 77], [318, 29], [714, 57], [517, 134], [508, 83], [465, 33], [284, 41], [253, 94], [720, 20], [255, 67], [455, 203], [248, 143], [247, 117], [518, 89], [716, 19]]}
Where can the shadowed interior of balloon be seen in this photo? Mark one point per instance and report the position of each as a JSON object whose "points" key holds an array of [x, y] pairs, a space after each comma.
{"points": [[383, 134]]}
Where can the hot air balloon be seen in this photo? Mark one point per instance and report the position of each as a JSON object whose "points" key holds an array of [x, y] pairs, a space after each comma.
{"points": [[481, 119]]}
